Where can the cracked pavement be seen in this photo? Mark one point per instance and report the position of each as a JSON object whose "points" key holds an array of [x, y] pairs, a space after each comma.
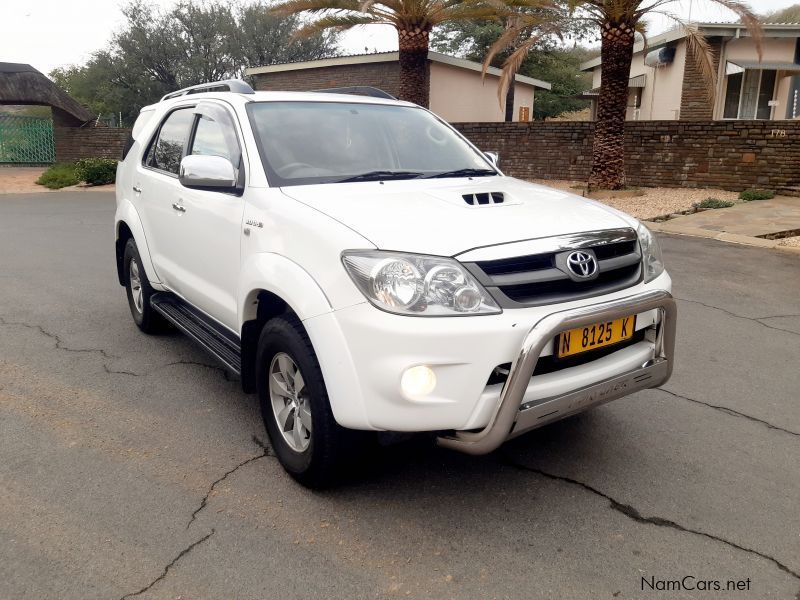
{"points": [[133, 467]]}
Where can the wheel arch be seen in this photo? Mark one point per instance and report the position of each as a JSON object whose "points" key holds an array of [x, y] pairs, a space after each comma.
{"points": [[264, 306], [271, 285], [127, 226], [124, 233]]}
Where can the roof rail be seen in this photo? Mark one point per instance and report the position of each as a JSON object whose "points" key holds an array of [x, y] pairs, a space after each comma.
{"points": [[228, 85], [359, 90]]}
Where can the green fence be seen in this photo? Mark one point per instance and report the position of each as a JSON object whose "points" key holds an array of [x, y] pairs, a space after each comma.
{"points": [[26, 140]]}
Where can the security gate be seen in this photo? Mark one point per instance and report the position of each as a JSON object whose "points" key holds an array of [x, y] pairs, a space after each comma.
{"points": [[26, 140]]}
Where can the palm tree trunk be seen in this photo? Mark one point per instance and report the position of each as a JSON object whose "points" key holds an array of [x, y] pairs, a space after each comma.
{"points": [[414, 72], [510, 102], [608, 149]]}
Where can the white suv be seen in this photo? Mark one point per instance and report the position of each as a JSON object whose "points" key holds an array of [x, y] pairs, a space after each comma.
{"points": [[363, 267]]}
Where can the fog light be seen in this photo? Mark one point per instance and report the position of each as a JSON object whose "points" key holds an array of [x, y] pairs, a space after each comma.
{"points": [[418, 381]]}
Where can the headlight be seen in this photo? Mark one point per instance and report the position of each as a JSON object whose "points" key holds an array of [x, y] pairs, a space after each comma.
{"points": [[651, 254], [413, 284]]}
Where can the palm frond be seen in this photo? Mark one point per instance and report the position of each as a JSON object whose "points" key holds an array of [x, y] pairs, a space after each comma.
{"points": [[338, 22], [512, 65], [697, 45], [292, 7], [698, 48], [641, 29], [750, 20], [508, 37], [462, 12]]}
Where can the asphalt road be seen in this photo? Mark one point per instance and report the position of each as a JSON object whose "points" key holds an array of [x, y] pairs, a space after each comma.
{"points": [[130, 466]]}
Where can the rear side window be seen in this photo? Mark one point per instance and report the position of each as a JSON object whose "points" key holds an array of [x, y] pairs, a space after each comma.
{"points": [[167, 149]]}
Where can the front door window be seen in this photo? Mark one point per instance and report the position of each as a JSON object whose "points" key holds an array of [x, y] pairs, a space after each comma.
{"points": [[748, 94]]}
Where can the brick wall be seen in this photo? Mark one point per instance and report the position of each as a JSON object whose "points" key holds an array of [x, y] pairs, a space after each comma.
{"points": [[696, 105], [732, 155], [383, 75], [73, 143]]}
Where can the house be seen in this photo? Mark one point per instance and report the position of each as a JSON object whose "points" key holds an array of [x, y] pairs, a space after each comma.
{"points": [[666, 83], [458, 93]]}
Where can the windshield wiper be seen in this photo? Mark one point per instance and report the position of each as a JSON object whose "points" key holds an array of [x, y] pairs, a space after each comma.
{"points": [[463, 173], [381, 175]]}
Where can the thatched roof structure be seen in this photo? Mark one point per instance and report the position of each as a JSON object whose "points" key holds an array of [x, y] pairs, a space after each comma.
{"points": [[22, 84]]}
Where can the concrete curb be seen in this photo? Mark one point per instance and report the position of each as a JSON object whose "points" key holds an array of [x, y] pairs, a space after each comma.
{"points": [[722, 236]]}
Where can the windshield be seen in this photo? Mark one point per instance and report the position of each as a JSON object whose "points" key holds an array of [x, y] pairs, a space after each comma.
{"points": [[329, 142]]}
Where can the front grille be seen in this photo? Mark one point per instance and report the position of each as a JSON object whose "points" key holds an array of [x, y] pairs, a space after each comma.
{"points": [[566, 289], [544, 277]]}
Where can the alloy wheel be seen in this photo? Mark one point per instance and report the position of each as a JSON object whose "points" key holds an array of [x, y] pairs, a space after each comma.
{"points": [[136, 286], [290, 402]]}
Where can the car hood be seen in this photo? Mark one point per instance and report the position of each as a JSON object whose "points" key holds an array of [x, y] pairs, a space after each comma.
{"points": [[432, 216]]}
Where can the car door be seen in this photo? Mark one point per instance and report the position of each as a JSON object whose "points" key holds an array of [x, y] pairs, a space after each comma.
{"points": [[208, 240], [158, 192]]}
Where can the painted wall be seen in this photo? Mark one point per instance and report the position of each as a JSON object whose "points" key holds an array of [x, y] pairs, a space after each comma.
{"points": [[459, 95], [661, 96], [661, 100]]}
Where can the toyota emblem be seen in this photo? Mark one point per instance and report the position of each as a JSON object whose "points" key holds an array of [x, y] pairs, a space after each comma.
{"points": [[582, 264]]}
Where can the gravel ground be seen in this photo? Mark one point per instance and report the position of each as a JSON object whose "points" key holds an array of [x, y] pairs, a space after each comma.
{"points": [[20, 180], [790, 241], [653, 202]]}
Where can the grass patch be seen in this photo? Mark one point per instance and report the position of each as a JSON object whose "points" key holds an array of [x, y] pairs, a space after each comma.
{"points": [[714, 203], [59, 176], [753, 194]]}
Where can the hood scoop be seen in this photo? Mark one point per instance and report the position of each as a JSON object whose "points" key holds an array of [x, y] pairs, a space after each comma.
{"points": [[484, 198]]}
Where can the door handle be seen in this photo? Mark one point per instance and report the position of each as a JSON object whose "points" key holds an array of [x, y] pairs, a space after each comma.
{"points": [[138, 190], [178, 207]]}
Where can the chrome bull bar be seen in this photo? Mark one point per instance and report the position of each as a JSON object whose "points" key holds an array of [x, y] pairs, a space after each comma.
{"points": [[510, 419]]}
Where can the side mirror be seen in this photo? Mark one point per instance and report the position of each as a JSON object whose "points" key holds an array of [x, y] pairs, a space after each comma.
{"points": [[198, 171], [493, 157]]}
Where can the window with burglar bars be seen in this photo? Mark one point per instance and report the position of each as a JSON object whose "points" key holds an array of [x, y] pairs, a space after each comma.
{"points": [[26, 140]]}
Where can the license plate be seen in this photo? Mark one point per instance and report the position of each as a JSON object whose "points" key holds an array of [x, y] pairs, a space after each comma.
{"points": [[598, 335]]}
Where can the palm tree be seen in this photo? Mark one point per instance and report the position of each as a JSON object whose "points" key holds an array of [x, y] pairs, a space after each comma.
{"points": [[619, 22], [413, 20]]}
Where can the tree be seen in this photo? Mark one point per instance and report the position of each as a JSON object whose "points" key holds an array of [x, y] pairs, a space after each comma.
{"points": [[548, 60], [413, 20], [790, 14], [619, 21], [159, 51]]}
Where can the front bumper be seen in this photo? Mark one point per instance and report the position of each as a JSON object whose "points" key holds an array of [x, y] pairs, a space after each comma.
{"points": [[363, 353], [512, 417]]}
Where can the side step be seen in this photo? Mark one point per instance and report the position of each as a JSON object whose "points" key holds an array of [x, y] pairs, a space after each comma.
{"points": [[223, 345]]}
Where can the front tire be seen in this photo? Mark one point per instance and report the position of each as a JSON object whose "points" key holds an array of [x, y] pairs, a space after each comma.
{"points": [[139, 292], [310, 445]]}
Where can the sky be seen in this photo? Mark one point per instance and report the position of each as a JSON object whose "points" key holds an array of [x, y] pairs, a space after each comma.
{"points": [[54, 33]]}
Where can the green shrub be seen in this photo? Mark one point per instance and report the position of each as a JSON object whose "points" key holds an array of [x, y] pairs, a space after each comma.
{"points": [[749, 195], [59, 176], [714, 203], [97, 171]]}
